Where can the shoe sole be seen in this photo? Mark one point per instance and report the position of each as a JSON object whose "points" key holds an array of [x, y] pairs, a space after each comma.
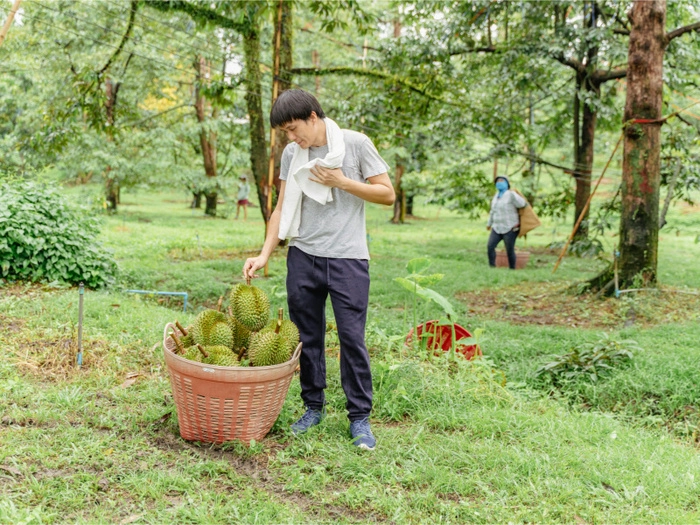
{"points": [[365, 447]]}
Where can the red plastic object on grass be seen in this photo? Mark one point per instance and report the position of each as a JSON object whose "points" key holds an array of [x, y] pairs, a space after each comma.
{"points": [[440, 336]]}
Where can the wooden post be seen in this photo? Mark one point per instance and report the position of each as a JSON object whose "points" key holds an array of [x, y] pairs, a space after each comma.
{"points": [[8, 22]]}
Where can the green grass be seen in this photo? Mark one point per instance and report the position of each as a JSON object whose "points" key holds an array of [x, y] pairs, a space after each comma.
{"points": [[101, 444]]}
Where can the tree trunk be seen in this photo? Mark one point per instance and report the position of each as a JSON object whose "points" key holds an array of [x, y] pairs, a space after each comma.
{"points": [[196, 200], [584, 166], [207, 136], [639, 222], [210, 208], [253, 97], [400, 202], [111, 191], [111, 181], [285, 81], [586, 141]]}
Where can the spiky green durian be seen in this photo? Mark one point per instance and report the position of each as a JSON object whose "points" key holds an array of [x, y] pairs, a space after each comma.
{"points": [[219, 355], [250, 306], [193, 354], [268, 348], [287, 329], [187, 340], [240, 332], [221, 335], [210, 328]]}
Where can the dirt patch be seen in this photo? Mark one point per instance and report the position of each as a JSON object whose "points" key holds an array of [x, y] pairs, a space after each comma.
{"points": [[559, 305], [687, 208]]}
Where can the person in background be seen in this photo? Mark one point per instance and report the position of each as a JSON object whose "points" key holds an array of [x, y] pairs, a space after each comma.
{"points": [[242, 198], [504, 220]]}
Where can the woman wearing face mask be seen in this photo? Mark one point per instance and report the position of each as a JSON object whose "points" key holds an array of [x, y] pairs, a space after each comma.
{"points": [[504, 220]]}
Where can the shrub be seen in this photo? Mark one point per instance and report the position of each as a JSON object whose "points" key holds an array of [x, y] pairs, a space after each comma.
{"points": [[43, 238]]}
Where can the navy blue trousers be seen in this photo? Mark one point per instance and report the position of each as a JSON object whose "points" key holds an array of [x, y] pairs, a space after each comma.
{"points": [[310, 280], [509, 241]]}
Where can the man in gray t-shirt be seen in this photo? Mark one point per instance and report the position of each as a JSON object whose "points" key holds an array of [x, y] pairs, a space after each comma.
{"points": [[329, 256]]}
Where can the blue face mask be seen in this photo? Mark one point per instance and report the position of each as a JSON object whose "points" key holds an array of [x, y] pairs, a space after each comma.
{"points": [[501, 186]]}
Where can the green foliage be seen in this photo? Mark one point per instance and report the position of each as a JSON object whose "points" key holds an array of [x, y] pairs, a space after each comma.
{"points": [[416, 278], [42, 238], [589, 361]]}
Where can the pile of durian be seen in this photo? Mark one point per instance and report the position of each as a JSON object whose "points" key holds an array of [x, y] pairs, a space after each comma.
{"points": [[244, 337]]}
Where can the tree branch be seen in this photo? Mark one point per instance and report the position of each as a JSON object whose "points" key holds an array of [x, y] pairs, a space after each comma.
{"points": [[682, 30], [574, 64], [487, 49], [125, 38], [146, 119], [199, 13], [599, 76], [309, 71]]}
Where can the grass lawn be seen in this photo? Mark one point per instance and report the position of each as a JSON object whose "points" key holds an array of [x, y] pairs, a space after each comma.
{"points": [[467, 442]]}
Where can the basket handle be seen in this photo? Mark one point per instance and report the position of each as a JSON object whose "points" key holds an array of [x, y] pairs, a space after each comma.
{"points": [[297, 352], [168, 326]]}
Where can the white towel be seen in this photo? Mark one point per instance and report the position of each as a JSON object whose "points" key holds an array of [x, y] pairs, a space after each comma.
{"points": [[298, 179]]}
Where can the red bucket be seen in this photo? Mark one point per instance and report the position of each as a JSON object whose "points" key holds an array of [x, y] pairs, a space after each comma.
{"points": [[440, 337]]}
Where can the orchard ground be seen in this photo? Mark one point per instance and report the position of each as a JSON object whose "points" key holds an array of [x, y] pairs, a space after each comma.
{"points": [[479, 442]]}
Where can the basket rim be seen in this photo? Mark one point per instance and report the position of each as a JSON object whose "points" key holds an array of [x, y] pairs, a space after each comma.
{"points": [[166, 349]]}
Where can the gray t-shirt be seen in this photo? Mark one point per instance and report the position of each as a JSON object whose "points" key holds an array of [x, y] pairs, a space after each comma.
{"points": [[337, 229]]}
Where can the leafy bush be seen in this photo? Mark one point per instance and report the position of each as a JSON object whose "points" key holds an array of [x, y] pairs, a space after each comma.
{"points": [[588, 361], [43, 238]]}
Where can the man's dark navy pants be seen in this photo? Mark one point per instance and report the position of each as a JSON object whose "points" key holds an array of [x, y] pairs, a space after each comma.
{"points": [[310, 280]]}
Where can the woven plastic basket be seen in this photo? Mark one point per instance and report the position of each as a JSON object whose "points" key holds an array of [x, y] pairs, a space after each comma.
{"points": [[223, 403]]}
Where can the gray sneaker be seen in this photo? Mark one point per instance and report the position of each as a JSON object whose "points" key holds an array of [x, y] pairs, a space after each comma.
{"points": [[362, 436], [310, 418]]}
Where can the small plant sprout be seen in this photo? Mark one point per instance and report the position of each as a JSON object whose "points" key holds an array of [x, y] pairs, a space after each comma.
{"points": [[417, 282]]}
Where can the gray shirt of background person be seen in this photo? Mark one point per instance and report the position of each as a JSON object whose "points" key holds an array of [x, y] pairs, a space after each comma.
{"points": [[337, 229]]}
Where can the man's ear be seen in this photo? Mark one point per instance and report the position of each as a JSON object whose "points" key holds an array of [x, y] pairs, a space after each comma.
{"points": [[313, 117]]}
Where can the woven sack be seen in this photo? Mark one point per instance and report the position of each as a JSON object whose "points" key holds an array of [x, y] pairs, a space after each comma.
{"points": [[528, 219]]}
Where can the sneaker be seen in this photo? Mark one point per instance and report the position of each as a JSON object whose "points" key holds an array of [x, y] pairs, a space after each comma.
{"points": [[310, 418], [362, 436]]}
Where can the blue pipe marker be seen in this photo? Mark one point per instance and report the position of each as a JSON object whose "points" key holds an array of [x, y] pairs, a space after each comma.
{"points": [[149, 292]]}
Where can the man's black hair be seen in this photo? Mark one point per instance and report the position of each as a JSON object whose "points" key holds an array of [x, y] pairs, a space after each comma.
{"points": [[294, 104]]}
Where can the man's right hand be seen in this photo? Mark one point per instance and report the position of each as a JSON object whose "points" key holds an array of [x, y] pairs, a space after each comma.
{"points": [[252, 265], [488, 228]]}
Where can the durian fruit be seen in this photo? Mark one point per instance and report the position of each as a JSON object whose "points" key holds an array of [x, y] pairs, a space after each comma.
{"points": [[210, 328], [241, 333], [218, 355], [193, 354], [250, 306], [287, 329], [269, 347], [187, 340]]}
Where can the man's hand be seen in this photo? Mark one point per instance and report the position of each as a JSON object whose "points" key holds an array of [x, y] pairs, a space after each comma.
{"points": [[488, 228], [252, 265], [333, 178]]}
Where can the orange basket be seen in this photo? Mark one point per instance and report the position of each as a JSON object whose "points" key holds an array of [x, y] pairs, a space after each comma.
{"points": [[223, 403]]}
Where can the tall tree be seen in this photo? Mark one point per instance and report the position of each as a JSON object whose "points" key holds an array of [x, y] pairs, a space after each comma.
{"points": [[206, 116], [639, 221]]}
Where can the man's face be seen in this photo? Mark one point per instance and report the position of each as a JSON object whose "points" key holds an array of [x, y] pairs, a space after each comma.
{"points": [[303, 132]]}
